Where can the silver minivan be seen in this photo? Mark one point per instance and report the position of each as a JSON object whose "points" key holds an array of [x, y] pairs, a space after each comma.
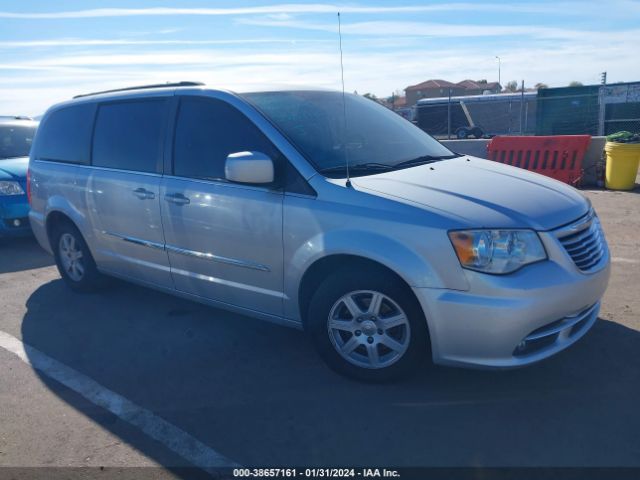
{"points": [[323, 212]]}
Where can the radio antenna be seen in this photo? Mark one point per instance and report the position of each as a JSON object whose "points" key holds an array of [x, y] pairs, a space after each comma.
{"points": [[344, 105]]}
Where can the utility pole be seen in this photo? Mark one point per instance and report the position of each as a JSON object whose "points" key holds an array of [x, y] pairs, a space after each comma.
{"points": [[601, 103], [602, 107], [499, 65], [603, 78], [522, 109], [449, 117]]}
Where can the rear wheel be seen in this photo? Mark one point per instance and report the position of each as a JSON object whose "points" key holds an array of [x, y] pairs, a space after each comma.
{"points": [[477, 132], [368, 326], [74, 260]]}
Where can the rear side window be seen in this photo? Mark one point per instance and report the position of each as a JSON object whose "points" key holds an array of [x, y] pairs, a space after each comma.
{"points": [[129, 135], [15, 140], [207, 131], [65, 135]]}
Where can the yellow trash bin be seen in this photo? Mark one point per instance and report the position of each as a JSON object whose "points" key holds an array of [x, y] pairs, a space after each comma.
{"points": [[622, 165]]}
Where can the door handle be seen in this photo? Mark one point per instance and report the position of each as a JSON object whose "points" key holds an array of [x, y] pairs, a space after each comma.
{"points": [[177, 198], [144, 194]]}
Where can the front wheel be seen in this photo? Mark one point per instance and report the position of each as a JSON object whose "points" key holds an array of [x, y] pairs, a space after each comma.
{"points": [[368, 326], [462, 133]]}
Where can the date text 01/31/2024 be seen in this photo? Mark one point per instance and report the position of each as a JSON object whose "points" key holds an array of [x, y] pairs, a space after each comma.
{"points": [[315, 473]]}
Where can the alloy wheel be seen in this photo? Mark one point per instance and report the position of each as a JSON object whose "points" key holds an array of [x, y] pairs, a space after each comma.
{"points": [[368, 329], [71, 257]]}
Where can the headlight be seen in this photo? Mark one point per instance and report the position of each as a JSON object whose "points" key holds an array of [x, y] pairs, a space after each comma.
{"points": [[497, 251], [10, 188]]}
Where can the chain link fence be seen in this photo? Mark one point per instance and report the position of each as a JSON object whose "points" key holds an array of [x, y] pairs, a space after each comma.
{"points": [[593, 110], [620, 108]]}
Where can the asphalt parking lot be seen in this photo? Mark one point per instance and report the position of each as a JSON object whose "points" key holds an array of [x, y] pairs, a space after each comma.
{"points": [[257, 393]]}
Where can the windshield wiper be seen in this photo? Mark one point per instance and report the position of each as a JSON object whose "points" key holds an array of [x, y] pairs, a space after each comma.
{"points": [[358, 167], [383, 167], [424, 159]]}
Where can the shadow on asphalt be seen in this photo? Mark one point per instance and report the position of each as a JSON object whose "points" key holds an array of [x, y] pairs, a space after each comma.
{"points": [[26, 254], [258, 394]]}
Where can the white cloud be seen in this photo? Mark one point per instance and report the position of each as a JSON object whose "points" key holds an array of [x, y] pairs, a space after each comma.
{"points": [[280, 16], [87, 42], [441, 30], [380, 55], [29, 86], [212, 58], [569, 8]]}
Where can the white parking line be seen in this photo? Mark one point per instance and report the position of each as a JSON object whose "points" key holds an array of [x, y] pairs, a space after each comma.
{"points": [[624, 260], [175, 439]]}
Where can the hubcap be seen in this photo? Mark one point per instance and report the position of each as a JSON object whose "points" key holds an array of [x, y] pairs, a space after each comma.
{"points": [[369, 329], [71, 257]]}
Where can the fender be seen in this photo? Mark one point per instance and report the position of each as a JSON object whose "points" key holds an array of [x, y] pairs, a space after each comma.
{"points": [[407, 264], [58, 203]]}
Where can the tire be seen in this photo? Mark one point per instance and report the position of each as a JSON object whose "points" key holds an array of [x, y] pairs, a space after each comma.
{"points": [[74, 260], [462, 133], [477, 132], [409, 339]]}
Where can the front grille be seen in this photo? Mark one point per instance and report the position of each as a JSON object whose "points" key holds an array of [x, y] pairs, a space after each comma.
{"points": [[584, 242]]}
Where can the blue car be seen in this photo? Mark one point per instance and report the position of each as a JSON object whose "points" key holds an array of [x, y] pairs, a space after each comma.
{"points": [[16, 136]]}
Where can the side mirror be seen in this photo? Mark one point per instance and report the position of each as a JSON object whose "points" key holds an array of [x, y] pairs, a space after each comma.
{"points": [[249, 167]]}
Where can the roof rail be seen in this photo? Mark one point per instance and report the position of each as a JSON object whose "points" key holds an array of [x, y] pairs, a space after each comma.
{"points": [[144, 87], [16, 117]]}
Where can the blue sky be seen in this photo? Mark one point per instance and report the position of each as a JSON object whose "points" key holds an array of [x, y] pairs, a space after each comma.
{"points": [[50, 51]]}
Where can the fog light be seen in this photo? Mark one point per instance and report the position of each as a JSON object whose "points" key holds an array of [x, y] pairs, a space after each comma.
{"points": [[16, 222], [522, 345]]}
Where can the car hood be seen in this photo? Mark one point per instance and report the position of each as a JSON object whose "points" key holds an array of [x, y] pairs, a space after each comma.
{"points": [[14, 168], [482, 193]]}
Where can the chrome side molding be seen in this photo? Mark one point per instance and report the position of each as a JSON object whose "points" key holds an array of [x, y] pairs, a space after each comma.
{"points": [[191, 253], [137, 241], [218, 258]]}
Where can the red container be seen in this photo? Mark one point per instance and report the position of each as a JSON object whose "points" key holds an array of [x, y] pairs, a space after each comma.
{"points": [[558, 156]]}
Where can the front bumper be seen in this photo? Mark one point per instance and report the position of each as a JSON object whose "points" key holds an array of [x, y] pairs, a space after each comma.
{"points": [[14, 216], [517, 319]]}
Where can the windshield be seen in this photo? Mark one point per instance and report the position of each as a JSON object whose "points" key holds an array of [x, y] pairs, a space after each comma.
{"points": [[375, 138], [15, 140]]}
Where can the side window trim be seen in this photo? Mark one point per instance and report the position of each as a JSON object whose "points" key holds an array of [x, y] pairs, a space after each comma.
{"points": [[57, 160], [110, 169], [227, 184], [96, 107], [174, 133], [173, 110]]}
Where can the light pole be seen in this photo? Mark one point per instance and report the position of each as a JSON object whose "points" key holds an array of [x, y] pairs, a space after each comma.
{"points": [[499, 71]]}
